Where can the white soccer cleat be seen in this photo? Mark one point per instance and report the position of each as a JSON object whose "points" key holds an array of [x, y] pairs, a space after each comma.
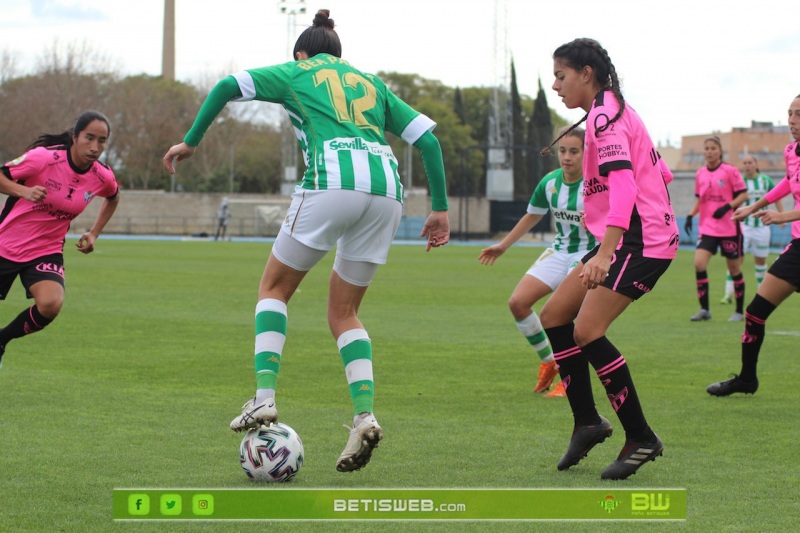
{"points": [[736, 317], [254, 416], [363, 439], [701, 315]]}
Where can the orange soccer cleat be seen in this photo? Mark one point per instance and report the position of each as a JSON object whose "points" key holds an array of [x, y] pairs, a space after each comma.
{"points": [[547, 373]]}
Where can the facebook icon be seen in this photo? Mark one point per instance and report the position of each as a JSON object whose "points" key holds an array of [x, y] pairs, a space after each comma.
{"points": [[138, 504]]}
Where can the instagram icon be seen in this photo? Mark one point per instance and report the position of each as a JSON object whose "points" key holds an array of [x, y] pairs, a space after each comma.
{"points": [[203, 504]]}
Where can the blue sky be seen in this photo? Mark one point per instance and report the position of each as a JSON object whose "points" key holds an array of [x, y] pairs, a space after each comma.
{"points": [[687, 67]]}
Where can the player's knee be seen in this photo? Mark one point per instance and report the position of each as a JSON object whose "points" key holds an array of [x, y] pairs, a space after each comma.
{"points": [[50, 307], [518, 308], [584, 334]]}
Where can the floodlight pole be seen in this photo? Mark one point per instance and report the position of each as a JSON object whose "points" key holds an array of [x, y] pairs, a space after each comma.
{"points": [[290, 8]]}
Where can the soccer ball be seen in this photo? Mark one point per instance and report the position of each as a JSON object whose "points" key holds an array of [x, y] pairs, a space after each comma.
{"points": [[273, 454]]}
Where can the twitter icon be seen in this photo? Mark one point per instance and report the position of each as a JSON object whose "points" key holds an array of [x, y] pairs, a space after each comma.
{"points": [[170, 504]]}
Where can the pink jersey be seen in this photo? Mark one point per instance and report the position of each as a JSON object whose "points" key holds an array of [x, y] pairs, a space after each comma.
{"points": [[715, 188], [28, 230], [791, 183], [625, 182]]}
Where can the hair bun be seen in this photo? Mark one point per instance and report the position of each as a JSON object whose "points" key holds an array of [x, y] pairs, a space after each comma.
{"points": [[322, 18]]}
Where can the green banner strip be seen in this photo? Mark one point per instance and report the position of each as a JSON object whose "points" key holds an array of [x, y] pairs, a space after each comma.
{"points": [[274, 503]]}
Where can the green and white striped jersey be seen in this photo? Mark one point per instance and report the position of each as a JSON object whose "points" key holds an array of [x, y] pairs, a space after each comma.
{"points": [[756, 189], [339, 115], [565, 201]]}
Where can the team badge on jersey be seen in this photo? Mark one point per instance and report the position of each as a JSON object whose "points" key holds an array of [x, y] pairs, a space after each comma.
{"points": [[17, 161]]}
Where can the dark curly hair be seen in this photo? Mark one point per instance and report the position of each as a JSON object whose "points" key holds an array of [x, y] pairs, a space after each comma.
{"points": [[585, 52]]}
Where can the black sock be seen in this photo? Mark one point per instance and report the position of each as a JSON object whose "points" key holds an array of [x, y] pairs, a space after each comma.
{"points": [[612, 369], [27, 322], [702, 289], [738, 291], [754, 330], [573, 368]]}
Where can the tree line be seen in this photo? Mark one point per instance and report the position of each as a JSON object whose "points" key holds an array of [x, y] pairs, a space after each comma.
{"points": [[242, 151]]}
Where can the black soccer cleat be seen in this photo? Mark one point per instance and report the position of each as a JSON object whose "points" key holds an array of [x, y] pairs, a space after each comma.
{"points": [[584, 438], [633, 455], [730, 386]]}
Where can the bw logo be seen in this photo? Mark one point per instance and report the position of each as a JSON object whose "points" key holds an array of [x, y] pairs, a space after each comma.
{"points": [[649, 501]]}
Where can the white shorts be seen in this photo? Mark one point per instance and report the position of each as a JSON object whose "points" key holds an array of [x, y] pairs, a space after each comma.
{"points": [[756, 241], [360, 225], [552, 267]]}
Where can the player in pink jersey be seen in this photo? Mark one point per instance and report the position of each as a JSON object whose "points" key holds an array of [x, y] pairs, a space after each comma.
{"points": [[719, 188], [48, 186], [783, 277], [628, 210]]}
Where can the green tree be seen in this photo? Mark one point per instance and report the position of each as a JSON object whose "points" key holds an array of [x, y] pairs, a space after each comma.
{"points": [[522, 183], [540, 134]]}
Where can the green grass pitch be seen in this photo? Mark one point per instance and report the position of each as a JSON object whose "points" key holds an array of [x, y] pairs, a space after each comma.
{"points": [[135, 383]]}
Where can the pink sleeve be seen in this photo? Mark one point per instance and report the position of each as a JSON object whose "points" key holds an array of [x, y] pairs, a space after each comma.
{"points": [[26, 166], [622, 196], [781, 189], [665, 171], [737, 181]]}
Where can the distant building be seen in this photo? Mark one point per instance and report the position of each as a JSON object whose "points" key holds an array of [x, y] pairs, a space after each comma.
{"points": [[763, 140]]}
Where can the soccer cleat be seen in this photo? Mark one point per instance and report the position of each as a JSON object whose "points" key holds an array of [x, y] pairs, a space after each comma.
{"points": [[727, 299], [547, 373], [254, 416], [633, 455], [736, 317], [363, 439], [558, 391], [584, 438], [703, 314], [730, 386]]}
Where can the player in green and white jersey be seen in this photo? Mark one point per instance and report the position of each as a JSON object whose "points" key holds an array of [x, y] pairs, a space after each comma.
{"points": [[349, 198], [561, 193], [756, 235]]}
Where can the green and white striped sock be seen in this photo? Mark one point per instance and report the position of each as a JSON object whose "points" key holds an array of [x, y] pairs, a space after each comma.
{"points": [[355, 348], [761, 272], [271, 320], [532, 329]]}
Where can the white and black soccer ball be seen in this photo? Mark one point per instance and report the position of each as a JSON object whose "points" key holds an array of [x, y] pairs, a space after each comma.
{"points": [[273, 454]]}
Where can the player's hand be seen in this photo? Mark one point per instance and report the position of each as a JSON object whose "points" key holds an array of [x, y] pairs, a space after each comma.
{"points": [[769, 217], [742, 213], [436, 229], [687, 226], [180, 151], [720, 212], [595, 272], [35, 194], [489, 255], [86, 243]]}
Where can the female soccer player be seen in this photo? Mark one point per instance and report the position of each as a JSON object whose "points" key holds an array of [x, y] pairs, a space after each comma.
{"points": [[628, 209], [719, 189], [350, 197], [783, 277], [756, 234], [561, 192], [48, 186]]}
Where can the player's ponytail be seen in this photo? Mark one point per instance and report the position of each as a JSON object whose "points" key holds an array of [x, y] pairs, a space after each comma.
{"points": [[588, 52], [65, 138], [320, 38]]}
